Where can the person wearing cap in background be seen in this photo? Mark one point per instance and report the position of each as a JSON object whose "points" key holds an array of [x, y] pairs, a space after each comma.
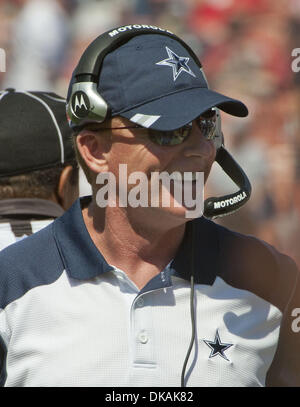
{"points": [[38, 171], [141, 295]]}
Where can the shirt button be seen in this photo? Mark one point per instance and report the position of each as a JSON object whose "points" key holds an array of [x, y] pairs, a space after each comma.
{"points": [[143, 337], [140, 302]]}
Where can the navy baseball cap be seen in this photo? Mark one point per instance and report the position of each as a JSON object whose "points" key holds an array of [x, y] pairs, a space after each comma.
{"points": [[153, 81]]}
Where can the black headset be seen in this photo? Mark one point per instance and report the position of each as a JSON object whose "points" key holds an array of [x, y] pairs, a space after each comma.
{"points": [[86, 105]]}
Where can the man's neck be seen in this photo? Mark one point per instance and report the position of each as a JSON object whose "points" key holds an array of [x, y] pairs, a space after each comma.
{"points": [[134, 243]]}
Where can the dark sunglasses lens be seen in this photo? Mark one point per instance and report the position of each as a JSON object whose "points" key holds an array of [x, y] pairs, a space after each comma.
{"points": [[207, 128], [206, 123], [169, 138]]}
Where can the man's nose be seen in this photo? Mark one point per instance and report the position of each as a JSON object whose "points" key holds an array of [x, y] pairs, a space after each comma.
{"points": [[198, 145]]}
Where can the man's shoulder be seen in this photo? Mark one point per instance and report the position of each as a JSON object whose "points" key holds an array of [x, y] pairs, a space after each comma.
{"points": [[24, 248], [252, 251], [28, 263], [250, 263]]}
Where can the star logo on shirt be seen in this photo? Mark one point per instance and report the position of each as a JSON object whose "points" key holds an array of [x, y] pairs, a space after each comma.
{"points": [[177, 63], [217, 347]]}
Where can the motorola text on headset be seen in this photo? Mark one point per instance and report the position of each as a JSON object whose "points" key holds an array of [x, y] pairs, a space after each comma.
{"points": [[86, 105]]}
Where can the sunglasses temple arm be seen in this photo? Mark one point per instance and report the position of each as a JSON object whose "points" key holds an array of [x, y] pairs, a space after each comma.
{"points": [[225, 205]]}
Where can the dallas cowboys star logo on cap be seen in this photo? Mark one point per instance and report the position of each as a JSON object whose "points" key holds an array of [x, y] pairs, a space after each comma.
{"points": [[217, 347], [177, 63]]}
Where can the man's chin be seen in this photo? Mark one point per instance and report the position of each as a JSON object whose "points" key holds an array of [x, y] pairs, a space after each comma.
{"points": [[180, 214]]}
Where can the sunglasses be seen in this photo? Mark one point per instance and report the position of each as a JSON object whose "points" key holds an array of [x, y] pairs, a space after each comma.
{"points": [[206, 124]]}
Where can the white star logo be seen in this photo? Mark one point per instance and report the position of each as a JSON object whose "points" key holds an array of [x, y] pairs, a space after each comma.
{"points": [[178, 64]]}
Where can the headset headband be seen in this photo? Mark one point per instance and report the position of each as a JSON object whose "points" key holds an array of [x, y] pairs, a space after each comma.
{"points": [[91, 60]]}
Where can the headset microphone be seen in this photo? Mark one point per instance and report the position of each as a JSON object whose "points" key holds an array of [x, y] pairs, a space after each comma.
{"points": [[228, 204]]}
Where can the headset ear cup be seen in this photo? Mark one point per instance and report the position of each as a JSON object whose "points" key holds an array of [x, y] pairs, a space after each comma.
{"points": [[86, 105]]}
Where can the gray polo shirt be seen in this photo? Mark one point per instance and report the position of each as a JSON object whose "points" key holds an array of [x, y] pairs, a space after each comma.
{"points": [[68, 318]]}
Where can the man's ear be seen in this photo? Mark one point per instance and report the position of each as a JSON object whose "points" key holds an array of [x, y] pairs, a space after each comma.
{"points": [[67, 191], [92, 148]]}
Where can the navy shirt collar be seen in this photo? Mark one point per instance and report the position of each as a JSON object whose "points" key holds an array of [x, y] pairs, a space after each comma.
{"points": [[82, 260]]}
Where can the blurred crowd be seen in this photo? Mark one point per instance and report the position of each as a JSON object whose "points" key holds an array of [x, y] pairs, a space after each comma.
{"points": [[245, 47]]}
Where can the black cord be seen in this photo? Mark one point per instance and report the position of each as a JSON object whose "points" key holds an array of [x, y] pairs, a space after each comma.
{"points": [[192, 309]]}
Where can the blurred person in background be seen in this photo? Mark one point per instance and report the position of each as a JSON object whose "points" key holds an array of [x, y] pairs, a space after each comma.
{"points": [[39, 43], [38, 173]]}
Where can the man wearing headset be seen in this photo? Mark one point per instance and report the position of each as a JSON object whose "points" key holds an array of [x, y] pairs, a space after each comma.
{"points": [[141, 295]]}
